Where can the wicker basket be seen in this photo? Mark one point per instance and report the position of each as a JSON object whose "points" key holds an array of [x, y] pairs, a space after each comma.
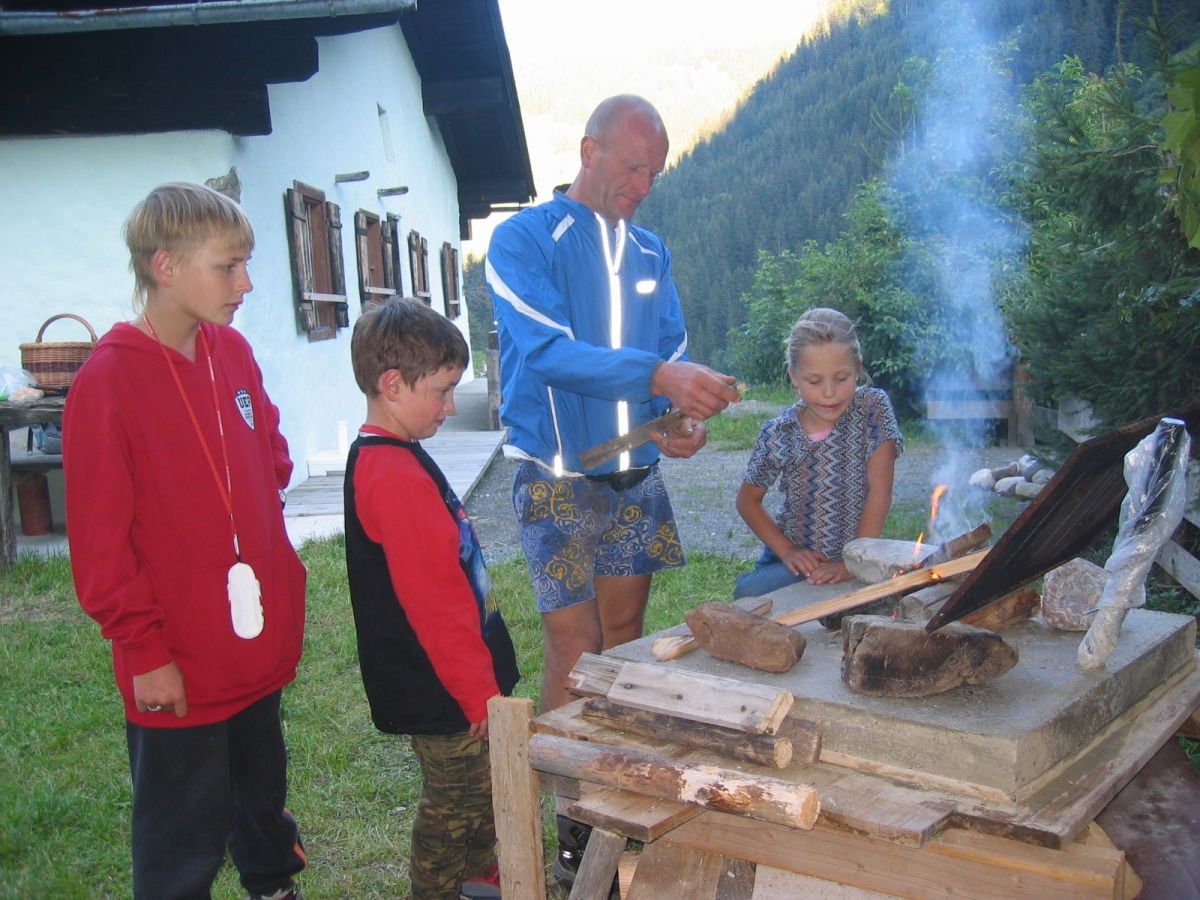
{"points": [[54, 363]]}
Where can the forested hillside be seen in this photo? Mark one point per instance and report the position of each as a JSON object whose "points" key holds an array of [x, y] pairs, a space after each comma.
{"points": [[972, 188], [787, 166]]}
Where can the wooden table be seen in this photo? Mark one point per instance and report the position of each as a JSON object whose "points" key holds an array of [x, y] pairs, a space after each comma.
{"points": [[18, 415], [875, 832]]}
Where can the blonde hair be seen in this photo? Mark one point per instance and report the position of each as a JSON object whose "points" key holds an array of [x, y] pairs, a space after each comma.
{"points": [[824, 326], [179, 217], [406, 335]]}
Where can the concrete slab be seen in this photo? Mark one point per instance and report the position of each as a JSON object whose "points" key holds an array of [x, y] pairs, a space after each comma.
{"points": [[1001, 740]]}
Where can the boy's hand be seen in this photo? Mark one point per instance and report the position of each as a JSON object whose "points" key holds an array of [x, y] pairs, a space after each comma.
{"points": [[161, 690], [479, 730]]}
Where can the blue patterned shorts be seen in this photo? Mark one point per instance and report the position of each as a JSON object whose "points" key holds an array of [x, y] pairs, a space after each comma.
{"points": [[573, 529]]}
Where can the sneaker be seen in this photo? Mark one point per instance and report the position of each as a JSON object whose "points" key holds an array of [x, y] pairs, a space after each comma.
{"points": [[287, 893], [572, 841], [486, 887]]}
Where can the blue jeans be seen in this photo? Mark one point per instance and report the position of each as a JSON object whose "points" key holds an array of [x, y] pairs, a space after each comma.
{"points": [[769, 574]]}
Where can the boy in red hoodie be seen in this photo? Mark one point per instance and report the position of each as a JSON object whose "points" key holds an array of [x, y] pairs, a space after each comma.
{"points": [[432, 646], [174, 470]]}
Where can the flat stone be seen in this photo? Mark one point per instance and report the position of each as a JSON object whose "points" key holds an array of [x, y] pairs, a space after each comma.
{"points": [[1027, 490], [892, 658], [1069, 592], [919, 606], [877, 559]]}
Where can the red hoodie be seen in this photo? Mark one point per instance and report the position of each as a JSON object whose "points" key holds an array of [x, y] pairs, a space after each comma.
{"points": [[150, 537]]}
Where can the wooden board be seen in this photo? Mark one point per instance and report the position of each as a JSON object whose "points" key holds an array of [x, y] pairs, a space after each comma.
{"points": [[956, 863], [756, 708], [1079, 502], [633, 815]]}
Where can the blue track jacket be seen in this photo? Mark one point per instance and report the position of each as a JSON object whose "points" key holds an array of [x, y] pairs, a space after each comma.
{"points": [[585, 313]]}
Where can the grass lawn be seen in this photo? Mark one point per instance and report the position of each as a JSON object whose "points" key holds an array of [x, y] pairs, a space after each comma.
{"points": [[63, 767]]}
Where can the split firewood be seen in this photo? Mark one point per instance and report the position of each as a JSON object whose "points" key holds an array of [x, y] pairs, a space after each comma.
{"points": [[1017, 606], [731, 634], [901, 659], [775, 750], [757, 708], [673, 647]]}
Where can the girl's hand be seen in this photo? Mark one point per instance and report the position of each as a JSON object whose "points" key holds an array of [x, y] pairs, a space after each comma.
{"points": [[802, 561], [829, 573]]}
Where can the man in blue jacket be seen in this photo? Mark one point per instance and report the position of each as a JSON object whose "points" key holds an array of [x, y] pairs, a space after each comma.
{"points": [[593, 344]]}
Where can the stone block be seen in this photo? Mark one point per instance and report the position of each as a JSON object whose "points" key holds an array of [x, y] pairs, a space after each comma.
{"points": [[877, 559]]}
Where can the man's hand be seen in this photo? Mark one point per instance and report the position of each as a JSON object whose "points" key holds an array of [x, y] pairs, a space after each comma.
{"points": [[699, 391], [161, 690], [683, 440]]}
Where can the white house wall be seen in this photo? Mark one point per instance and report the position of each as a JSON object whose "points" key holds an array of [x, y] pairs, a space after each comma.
{"points": [[66, 198]]}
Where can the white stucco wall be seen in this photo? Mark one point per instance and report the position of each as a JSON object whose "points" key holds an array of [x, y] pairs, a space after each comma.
{"points": [[66, 199]]}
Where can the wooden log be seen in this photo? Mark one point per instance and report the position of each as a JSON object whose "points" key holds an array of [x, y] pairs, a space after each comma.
{"points": [[515, 800], [762, 749], [757, 796], [887, 658], [1008, 610], [673, 647], [757, 708], [730, 634]]}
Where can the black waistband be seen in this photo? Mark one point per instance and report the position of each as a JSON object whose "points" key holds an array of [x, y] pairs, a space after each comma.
{"points": [[622, 481]]}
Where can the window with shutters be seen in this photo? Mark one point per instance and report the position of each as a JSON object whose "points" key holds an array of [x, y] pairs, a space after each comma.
{"points": [[373, 240], [418, 260], [318, 274], [450, 282]]}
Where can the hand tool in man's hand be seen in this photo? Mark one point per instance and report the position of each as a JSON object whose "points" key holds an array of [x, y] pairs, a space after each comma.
{"points": [[635, 437]]}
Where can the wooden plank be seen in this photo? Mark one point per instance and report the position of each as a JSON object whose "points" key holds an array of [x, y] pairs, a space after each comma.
{"points": [[755, 708], [665, 648], [633, 815], [515, 799], [763, 749], [762, 797], [593, 675], [671, 870], [1181, 566], [954, 864], [598, 867]]}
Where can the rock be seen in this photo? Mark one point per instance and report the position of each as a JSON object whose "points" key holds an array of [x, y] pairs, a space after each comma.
{"points": [[1027, 465], [982, 478], [877, 559], [885, 606], [1006, 471], [1007, 485], [1069, 591], [735, 635], [1027, 490], [901, 659], [1042, 476]]}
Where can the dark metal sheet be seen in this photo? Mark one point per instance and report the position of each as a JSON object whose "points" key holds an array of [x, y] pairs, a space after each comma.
{"points": [[1079, 502]]}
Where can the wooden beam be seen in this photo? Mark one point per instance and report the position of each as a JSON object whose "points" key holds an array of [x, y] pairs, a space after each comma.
{"points": [[515, 799], [774, 750]]}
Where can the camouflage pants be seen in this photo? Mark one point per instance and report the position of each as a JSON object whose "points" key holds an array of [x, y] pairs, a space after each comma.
{"points": [[453, 834]]}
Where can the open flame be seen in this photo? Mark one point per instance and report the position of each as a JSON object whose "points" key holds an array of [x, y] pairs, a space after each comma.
{"points": [[934, 499]]}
